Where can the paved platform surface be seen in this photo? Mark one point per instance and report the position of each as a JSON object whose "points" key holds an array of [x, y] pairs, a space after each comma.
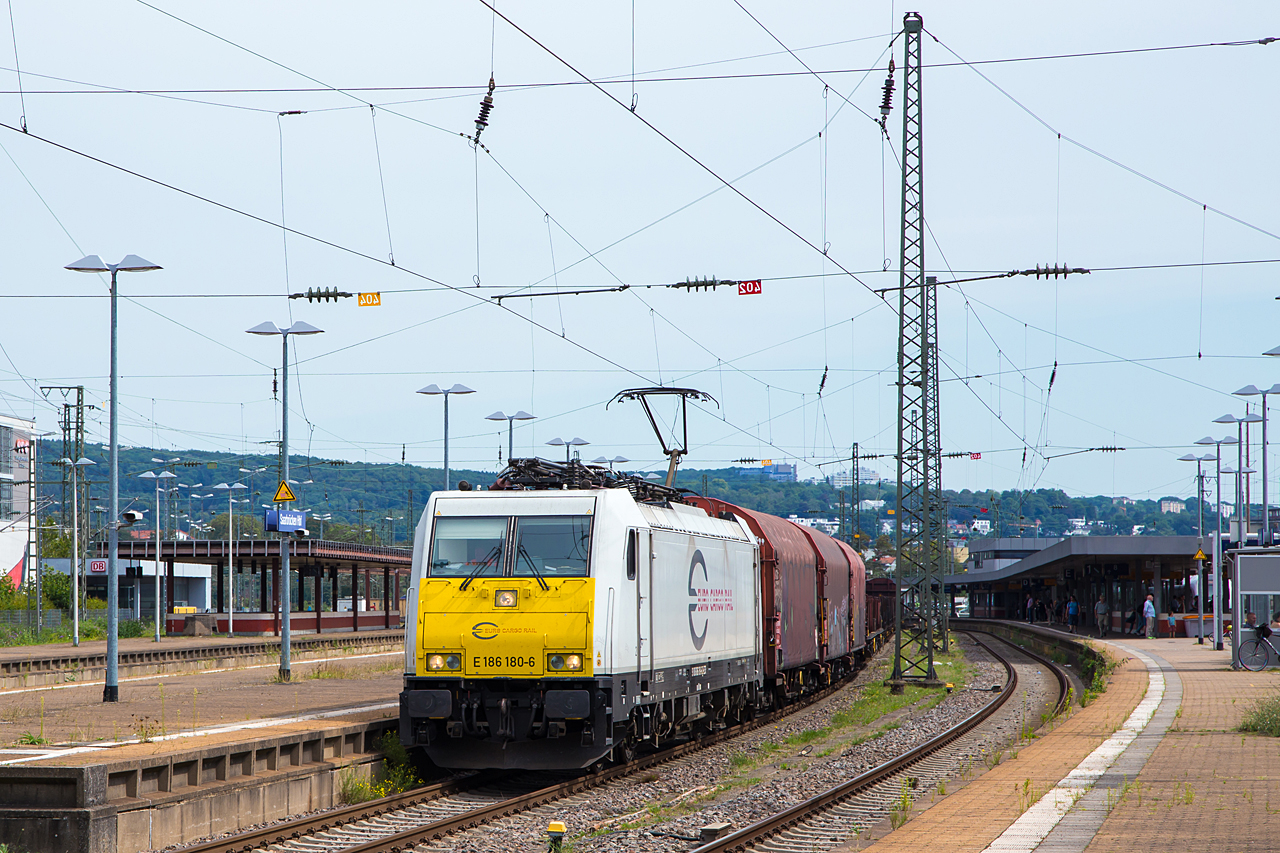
{"points": [[1154, 763], [180, 711]]}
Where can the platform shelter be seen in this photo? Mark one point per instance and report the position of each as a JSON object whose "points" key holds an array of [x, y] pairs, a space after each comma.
{"points": [[336, 586], [1124, 569]]}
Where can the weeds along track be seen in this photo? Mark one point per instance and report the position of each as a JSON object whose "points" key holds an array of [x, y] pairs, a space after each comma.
{"points": [[841, 812]]}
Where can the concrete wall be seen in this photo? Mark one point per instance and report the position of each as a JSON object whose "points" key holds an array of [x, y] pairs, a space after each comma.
{"points": [[146, 804]]}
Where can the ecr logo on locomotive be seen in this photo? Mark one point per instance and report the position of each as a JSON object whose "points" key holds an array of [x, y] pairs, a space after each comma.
{"points": [[705, 600], [484, 630]]}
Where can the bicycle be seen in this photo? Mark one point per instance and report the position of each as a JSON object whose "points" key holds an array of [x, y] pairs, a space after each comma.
{"points": [[1253, 653]]}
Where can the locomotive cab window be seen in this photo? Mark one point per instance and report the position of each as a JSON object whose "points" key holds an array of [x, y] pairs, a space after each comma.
{"points": [[553, 546], [465, 547]]}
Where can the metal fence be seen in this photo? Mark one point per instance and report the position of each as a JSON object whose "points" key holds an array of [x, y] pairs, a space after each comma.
{"points": [[54, 618]]}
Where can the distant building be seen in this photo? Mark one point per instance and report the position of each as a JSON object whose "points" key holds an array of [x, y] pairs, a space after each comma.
{"points": [[843, 479], [782, 472], [1123, 501], [867, 505], [1138, 530], [1171, 505], [826, 525], [981, 525]]}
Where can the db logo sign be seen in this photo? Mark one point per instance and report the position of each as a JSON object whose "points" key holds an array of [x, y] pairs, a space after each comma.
{"points": [[97, 566], [749, 288]]}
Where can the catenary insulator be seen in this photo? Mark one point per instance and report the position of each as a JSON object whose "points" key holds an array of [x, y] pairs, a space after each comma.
{"points": [[886, 104], [486, 105]]}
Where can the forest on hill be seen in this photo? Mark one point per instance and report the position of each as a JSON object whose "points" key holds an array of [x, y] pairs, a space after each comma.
{"points": [[375, 502]]}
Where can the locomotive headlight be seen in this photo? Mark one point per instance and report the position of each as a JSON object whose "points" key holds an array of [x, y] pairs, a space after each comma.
{"points": [[435, 662], [505, 598], [438, 662], [564, 663], [452, 662]]}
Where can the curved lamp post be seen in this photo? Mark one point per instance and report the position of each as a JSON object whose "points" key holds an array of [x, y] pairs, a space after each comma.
{"points": [[94, 264], [1217, 533], [1199, 460], [568, 445], [434, 390], [521, 415], [163, 475], [232, 547], [1264, 538], [286, 609]]}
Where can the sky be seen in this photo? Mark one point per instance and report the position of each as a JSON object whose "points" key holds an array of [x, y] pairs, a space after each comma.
{"points": [[190, 134]]}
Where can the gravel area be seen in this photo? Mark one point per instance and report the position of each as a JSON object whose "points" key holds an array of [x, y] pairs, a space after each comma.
{"points": [[749, 778]]}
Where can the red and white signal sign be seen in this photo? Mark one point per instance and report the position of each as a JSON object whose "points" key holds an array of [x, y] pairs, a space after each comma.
{"points": [[975, 455], [749, 288], [97, 566]]}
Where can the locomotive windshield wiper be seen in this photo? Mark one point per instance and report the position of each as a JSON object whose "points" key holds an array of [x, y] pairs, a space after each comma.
{"points": [[497, 549], [537, 574]]}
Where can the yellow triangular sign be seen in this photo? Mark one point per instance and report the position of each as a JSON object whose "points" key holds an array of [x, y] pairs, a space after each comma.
{"points": [[284, 494], [1199, 555]]}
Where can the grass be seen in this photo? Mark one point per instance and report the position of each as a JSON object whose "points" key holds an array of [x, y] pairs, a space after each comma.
{"points": [[900, 810], [1264, 717], [398, 774], [330, 670], [90, 629]]}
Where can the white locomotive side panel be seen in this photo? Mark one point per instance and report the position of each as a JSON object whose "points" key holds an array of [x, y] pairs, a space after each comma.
{"points": [[703, 599]]}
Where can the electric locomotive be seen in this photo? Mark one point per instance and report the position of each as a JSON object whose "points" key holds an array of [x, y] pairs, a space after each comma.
{"points": [[567, 615]]}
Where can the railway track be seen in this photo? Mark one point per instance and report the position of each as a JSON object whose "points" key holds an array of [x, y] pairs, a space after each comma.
{"points": [[836, 814], [442, 808]]}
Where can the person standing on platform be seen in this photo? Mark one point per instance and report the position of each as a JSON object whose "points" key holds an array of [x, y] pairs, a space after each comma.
{"points": [[1101, 613], [1149, 612], [1073, 614], [1031, 610]]}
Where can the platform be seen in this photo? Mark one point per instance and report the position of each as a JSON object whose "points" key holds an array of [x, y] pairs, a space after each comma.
{"points": [[1154, 763], [188, 754], [62, 663]]}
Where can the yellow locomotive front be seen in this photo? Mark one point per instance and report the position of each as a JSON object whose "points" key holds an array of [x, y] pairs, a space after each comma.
{"points": [[501, 651]]}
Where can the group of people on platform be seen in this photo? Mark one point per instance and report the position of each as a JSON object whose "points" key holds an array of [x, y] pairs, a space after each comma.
{"points": [[1140, 621]]}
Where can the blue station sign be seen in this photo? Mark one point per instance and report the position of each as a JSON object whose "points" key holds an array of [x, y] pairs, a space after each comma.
{"points": [[284, 520]]}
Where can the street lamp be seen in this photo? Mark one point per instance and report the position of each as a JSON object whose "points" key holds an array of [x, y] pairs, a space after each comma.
{"points": [[1249, 418], [163, 475], [230, 489], [322, 519], [1217, 533], [1254, 391], [1199, 460], [571, 443], [521, 415], [435, 390], [76, 562], [298, 328], [130, 263]]}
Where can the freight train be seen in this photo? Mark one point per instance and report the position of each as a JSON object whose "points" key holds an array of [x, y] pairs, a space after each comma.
{"points": [[567, 616]]}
